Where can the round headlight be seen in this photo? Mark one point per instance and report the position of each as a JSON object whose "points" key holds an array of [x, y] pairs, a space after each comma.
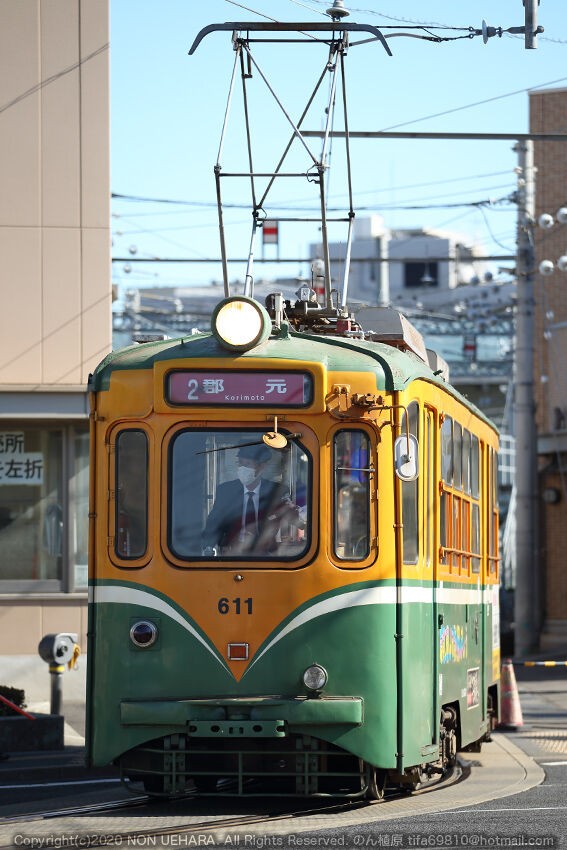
{"points": [[315, 677], [143, 634], [240, 323]]}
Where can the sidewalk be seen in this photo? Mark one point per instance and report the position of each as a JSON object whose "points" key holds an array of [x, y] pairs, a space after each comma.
{"points": [[543, 699]]}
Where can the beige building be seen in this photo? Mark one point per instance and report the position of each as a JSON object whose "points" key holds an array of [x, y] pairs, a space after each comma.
{"points": [[548, 113], [55, 322]]}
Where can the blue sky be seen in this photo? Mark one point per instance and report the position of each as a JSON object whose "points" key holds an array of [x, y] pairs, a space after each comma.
{"points": [[168, 108]]}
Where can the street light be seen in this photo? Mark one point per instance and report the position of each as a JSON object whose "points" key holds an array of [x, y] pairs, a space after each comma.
{"points": [[547, 222], [546, 268]]}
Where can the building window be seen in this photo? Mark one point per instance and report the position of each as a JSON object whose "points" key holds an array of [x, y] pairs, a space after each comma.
{"points": [[79, 509], [421, 275], [31, 505], [43, 507]]}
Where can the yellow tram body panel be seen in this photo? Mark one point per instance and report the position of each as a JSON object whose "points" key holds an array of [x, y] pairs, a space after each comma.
{"points": [[126, 405]]}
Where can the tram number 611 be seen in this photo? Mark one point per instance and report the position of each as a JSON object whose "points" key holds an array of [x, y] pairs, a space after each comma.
{"points": [[237, 606]]}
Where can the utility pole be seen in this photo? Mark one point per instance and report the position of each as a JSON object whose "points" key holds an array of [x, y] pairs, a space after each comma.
{"points": [[531, 27], [526, 597]]}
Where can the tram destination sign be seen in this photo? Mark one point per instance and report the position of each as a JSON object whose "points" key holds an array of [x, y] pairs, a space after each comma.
{"points": [[239, 389]]}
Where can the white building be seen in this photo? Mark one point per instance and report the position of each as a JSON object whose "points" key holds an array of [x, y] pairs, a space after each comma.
{"points": [[401, 266]]}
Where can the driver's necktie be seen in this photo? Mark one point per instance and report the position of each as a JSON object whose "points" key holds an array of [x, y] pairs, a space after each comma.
{"points": [[250, 515]]}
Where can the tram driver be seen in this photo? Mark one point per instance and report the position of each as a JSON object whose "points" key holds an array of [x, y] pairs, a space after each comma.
{"points": [[248, 511]]}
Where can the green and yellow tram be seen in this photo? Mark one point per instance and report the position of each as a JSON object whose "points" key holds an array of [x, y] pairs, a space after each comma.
{"points": [[334, 631]]}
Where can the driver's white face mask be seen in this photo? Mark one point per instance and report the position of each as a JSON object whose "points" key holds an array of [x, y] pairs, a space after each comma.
{"points": [[246, 475]]}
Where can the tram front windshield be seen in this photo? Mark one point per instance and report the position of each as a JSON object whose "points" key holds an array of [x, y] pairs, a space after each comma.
{"points": [[233, 497]]}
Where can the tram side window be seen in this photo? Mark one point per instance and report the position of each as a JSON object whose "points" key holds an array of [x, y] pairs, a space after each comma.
{"points": [[447, 450], [474, 467], [443, 529], [460, 516], [475, 493], [351, 456], [475, 539], [430, 481], [457, 455], [410, 495], [467, 461], [492, 488], [232, 497], [446, 509], [131, 521]]}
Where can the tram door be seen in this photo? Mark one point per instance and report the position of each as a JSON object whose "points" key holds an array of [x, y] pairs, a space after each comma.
{"points": [[418, 541], [429, 477]]}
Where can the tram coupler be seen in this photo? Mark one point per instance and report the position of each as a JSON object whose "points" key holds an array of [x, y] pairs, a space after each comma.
{"points": [[58, 650]]}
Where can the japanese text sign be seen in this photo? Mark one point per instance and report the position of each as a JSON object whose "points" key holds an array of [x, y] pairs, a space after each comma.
{"points": [[239, 389]]}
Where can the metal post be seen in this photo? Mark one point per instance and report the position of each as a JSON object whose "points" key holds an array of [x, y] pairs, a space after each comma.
{"points": [[531, 26], [382, 267], [221, 233], [55, 674], [526, 615], [324, 236]]}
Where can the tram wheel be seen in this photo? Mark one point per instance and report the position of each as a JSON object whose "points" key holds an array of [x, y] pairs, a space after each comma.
{"points": [[376, 783]]}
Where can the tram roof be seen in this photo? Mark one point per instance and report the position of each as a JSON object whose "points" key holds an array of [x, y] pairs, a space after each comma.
{"points": [[394, 368]]}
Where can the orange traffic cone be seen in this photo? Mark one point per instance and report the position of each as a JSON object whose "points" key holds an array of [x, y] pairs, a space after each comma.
{"points": [[510, 708]]}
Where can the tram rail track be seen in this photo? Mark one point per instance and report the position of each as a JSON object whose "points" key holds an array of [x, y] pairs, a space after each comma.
{"points": [[100, 835]]}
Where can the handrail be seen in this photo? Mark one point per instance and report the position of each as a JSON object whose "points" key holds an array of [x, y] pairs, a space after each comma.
{"points": [[13, 705]]}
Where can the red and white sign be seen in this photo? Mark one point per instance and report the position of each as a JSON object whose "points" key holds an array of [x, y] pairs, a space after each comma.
{"points": [[469, 346], [270, 232], [239, 389]]}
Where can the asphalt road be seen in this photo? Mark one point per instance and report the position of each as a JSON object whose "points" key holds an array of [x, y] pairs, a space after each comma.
{"points": [[535, 818]]}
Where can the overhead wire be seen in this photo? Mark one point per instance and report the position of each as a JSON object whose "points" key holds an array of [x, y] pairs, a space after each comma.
{"points": [[297, 206], [311, 9], [57, 76], [376, 190], [166, 239], [492, 236], [395, 18], [430, 24], [248, 9], [484, 202], [472, 105]]}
